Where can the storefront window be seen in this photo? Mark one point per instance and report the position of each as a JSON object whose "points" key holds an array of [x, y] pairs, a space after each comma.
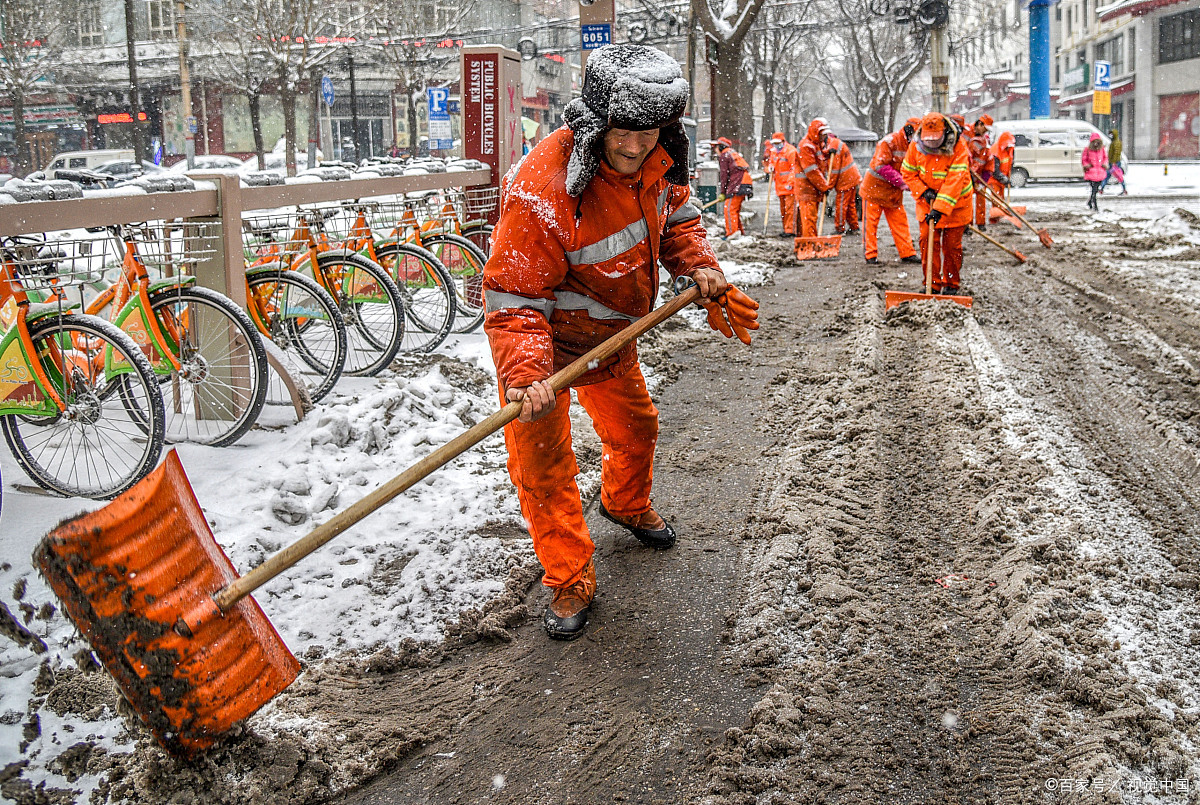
{"points": [[1179, 37]]}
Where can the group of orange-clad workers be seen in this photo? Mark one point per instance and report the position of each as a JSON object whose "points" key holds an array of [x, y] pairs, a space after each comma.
{"points": [[940, 161]]}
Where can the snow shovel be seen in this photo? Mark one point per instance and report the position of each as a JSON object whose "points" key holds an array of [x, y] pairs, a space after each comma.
{"points": [[146, 583], [1043, 234], [819, 248], [1020, 257], [770, 187], [893, 298]]}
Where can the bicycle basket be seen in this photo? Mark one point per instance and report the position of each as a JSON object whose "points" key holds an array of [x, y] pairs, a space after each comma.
{"points": [[481, 201], [174, 248], [46, 262]]}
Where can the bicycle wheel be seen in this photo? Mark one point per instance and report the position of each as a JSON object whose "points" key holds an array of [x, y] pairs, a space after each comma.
{"points": [[480, 235], [428, 292], [465, 263], [97, 448], [370, 304], [301, 319], [221, 385]]}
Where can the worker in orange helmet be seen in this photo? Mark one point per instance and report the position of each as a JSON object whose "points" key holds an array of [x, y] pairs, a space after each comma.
{"points": [[733, 184], [961, 122], [979, 146], [813, 163], [781, 164], [845, 178], [1001, 153], [883, 195], [585, 221], [936, 171]]}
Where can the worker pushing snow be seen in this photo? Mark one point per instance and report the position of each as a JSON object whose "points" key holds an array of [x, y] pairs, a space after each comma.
{"points": [[585, 219]]}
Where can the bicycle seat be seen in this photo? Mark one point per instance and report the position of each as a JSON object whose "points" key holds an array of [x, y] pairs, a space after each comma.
{"points": [[264, 227]]}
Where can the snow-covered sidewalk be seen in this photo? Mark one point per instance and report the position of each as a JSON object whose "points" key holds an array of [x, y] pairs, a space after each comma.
{"points": [[1144, 180]]}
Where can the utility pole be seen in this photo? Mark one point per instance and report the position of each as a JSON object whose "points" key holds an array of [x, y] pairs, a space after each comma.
{"points": [[135, 106], [354, 107], [1039, 58], [185, 87], [939, 68]]}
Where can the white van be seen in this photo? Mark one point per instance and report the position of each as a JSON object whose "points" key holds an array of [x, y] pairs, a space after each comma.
{"points": [[87, 160], [1048, 150]]}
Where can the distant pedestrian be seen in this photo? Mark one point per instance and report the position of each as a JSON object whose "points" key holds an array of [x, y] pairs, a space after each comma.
{"points": [[1095, 167], [735, 186], [1116, 168]]}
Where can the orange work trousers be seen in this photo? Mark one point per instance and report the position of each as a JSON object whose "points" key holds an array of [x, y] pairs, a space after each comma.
{"points": [[733, 217], [809, 207], [542, 466], [845, 211], [787, 212], [897, 221], [947, 257], [980, 208]]}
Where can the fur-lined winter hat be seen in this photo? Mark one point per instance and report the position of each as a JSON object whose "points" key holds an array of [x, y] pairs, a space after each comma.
{"points": [[627, 87]]}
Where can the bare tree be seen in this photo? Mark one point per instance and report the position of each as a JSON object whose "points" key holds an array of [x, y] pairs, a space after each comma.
{"points": [[32, 34], [241, 63], [771, 49], [869, 61], [406, 35], [726, 24]]}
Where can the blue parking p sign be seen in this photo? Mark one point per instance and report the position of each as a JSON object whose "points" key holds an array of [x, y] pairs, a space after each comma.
{"points": [[1103, 70]]}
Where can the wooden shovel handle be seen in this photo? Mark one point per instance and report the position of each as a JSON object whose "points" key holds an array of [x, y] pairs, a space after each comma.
{"points": [[999, 202], [995, 242], [323, 533]]}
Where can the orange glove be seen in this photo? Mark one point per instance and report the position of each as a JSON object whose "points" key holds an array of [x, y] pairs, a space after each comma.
{"points": [[732, 312]]}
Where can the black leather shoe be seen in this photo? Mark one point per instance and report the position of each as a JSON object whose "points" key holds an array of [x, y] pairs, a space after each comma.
{"points": [[874, 261], [912, 258], [659, 538]]}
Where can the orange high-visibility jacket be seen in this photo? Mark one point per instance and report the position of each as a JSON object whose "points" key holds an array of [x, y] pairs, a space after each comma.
{"points": [[783, 167], [889, 156], [944, 170], [566, 273], [1002, 153], [978, 147], [845, 173], [812, 163]]}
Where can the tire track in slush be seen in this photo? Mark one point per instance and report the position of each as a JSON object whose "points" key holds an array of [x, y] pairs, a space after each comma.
{"points": [[886, 684]]}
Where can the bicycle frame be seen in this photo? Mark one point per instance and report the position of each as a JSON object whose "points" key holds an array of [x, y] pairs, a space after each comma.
{"points": [[357, 291], [25, 385]]}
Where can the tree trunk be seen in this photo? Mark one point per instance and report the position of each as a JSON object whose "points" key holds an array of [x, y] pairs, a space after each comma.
{"points": [[287, 97], [727, 95], [768, 106], [314, 121], [24, 158], [413, 136], [256, 127]]}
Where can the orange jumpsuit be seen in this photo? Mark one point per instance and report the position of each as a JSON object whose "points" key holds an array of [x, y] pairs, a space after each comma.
{"points": [[978, 147], [1002, 161], [845, 178], [734, 175], [782, 164], [883, 196], [811, 185], [565, 273], [945, 171]]}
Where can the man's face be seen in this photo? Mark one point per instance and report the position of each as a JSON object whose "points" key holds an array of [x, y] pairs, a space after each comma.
{"points": [[778, 145], [625, 151], [980, 129]]}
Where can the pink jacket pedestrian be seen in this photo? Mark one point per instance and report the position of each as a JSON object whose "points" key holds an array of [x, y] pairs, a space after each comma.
{"points": [[1095, 160]]}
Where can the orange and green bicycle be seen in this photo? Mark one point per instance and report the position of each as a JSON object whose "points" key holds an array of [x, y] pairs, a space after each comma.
{"points": [[80, 405]]}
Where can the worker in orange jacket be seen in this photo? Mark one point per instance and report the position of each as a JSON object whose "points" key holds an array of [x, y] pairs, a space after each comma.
{"points": [[845, 178], [733, 184], [936, 171], [883, 195], [781, 165], [813, 163], [979, 146], [585, 220], [1002, 163]]}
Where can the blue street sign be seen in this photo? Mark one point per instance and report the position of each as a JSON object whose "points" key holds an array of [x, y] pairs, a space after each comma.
{"points": [[1103, 69], [327, 90], [440, 136], [594, 36]]}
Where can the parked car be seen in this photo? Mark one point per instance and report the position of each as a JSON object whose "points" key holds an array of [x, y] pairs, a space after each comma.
{"points": [[208, 162], [1048, 150], [122, 169], [274, 162], [86, 160]]}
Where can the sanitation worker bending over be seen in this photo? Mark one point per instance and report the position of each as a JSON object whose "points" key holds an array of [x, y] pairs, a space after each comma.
{"points": [[585, 219]]}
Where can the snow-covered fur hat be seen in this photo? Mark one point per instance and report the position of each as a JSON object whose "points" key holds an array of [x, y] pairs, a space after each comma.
{"points": [[627, 87]]}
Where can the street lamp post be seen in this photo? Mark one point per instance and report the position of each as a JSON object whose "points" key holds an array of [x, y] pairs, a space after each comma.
{"points": [[135, 106]]}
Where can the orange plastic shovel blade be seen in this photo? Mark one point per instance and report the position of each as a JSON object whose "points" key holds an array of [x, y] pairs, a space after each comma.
{"points": [[818, 248], [893, 298]]}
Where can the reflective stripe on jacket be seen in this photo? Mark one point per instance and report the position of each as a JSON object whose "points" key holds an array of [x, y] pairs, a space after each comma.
{"points": [[566, 273], [783, 168], [944, 170], [889, 152]]}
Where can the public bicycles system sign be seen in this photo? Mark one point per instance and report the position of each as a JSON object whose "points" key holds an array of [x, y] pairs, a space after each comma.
{"points": [[480, 105]]}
